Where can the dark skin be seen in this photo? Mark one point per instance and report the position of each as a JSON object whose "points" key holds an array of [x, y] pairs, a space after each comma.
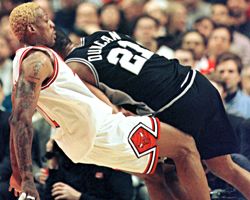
{"points": [[35, 68]]}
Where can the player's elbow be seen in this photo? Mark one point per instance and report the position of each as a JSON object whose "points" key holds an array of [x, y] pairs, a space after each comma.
{"points": [[19, 118]]}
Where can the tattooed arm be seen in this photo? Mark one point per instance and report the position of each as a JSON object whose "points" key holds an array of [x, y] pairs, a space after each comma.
{"points": [[35, 68]]}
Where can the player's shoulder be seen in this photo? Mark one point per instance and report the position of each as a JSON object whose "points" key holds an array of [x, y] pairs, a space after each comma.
{"points": [[36, 57], [33, 52]]}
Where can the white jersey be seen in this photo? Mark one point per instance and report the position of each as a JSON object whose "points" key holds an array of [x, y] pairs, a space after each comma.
{"points": [[86, 129], [66, 103]]}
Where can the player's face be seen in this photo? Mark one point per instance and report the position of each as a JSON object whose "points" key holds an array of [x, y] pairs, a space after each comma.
{"points": [[45, 29], [228, 72]]}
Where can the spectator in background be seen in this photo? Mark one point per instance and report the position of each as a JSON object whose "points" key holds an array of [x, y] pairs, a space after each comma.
{"points": [[145, 33], [248, 10], [196, 42], [237, 11], [87, 18], [65, 17], [245, 80], [220, 14], [157, 9], [219, 42], [177, 23], [132, 9], [6, 72], [47, 6], [195, 9], [241, 43], [241, 128], [12, 41], [7, 5], [5, 167], [72, 181], [185, 57], [5, 65], [204, 25], [228, 69], [112, 18]]}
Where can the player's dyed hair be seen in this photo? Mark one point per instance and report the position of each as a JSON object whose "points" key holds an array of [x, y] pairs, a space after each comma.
{"points": [[22, 16]]}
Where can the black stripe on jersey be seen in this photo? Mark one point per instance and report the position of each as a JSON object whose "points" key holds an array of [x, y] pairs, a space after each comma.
{"points": [[187, 83], [88, 64]]}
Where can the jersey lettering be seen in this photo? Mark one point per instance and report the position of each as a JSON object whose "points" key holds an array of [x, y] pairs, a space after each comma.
{"points": [[95, 50], [128, 60]]}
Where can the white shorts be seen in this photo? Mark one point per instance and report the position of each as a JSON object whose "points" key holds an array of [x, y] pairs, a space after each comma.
{"points": [[126, 143]]}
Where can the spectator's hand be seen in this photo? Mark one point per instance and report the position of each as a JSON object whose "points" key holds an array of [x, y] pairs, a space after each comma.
{"points": [[49, 145], [63, 191], [42, 176]]}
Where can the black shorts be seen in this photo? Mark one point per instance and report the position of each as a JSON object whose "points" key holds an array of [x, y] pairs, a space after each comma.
{"points": [[200, 113]]}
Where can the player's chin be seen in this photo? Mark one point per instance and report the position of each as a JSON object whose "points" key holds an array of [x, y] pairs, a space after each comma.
{"points": [[51, 43]]}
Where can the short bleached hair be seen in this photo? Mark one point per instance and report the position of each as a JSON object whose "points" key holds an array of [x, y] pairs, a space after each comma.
{"points": [[22, 16]]}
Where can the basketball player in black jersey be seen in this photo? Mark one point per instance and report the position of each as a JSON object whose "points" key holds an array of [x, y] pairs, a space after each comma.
{"points": [[150, 84]]}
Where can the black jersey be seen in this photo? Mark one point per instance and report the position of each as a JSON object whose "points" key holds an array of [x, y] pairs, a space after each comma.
{"points": [[120, 63]]}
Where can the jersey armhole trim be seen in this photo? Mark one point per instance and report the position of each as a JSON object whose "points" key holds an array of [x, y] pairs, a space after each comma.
{"points": [[89, 65], [55, 68], [54, 75]]}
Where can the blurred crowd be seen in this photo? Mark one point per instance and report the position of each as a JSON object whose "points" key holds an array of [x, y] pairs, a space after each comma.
{"points": [[211, 36]]}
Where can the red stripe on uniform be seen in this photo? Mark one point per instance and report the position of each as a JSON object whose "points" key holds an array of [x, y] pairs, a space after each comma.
{"points": [[153, 158], [52, 122], [21, 58], [149, 164], [54, 75]]}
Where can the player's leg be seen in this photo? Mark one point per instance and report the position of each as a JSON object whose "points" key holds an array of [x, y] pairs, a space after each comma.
{"points": [[156, 184], [225, 168], [182, 149], [174, 185]]}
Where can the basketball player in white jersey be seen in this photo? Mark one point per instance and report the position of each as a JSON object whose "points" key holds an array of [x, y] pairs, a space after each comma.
{"points": [[87, 130]]}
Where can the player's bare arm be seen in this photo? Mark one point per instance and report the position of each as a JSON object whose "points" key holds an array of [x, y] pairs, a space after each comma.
{"points": [[35, 68], [84, 73], [87, 77], [100, 95]]}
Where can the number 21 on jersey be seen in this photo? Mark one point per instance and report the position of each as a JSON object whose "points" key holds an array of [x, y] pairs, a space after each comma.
{"points": [[132, 62]]}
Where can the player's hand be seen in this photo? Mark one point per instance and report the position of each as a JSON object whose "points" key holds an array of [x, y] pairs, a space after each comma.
{"points": [[29, 190], [126, 112], [63, 191]]}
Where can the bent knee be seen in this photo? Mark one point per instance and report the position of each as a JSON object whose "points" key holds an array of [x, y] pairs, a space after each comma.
{"points": [[187, 148]]}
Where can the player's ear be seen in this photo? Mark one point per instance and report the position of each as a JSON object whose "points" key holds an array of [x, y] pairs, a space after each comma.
{"points": [[31, 28]]}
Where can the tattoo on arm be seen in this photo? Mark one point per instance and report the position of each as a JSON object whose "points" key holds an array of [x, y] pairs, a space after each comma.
{"points": [[21, 124]]}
